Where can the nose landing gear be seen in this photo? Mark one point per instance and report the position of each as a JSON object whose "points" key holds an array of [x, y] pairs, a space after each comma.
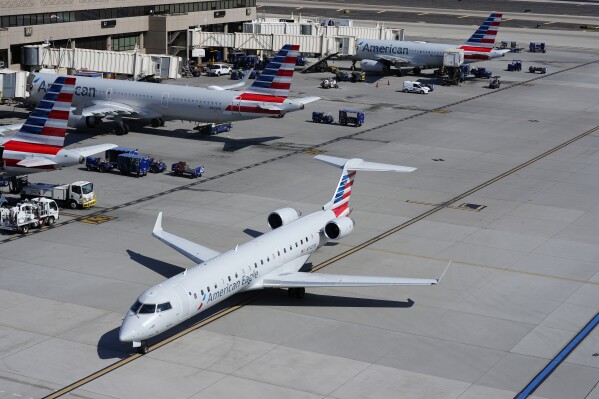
{"points": [[144, 348]]}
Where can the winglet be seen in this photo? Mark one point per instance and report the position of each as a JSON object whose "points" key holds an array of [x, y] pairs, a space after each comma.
{"points": [[444, 271], [158, 225]]}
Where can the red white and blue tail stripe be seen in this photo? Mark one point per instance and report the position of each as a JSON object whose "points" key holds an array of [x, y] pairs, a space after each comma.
{"points": [[486, 33], [340, 201], [47, 124], [275, 80]]}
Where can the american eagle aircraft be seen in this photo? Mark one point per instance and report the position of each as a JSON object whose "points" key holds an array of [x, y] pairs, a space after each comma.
{"points": [[381, 55], [95, 99], [38, 144], [272, 260]]}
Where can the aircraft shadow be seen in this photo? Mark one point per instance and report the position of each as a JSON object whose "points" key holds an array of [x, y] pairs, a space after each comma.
{"points": [[279, 297], [165, 269]]}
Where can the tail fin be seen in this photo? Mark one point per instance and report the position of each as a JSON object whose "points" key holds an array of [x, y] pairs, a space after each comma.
{"points": [[486, 33], [275, 80], [47, 124], [340, 201]]}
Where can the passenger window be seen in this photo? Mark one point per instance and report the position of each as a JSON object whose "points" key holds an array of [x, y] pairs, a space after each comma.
{"points": [[306, 239], [208, 288], [290, 247], [235, 275], [268, 259], [229, 278], [202, 292], [296, 244], [215, 286], [261, 262], [285, 250], [302, 242], [279, 253]]}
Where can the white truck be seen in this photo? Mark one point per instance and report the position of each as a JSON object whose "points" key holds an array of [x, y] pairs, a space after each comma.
{"points": [[217, 70], [74, 195], [25, 215], [415, 87]]}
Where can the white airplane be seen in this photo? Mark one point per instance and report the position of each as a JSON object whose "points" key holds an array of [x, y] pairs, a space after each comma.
{"points": [[381, 55], [38, 144], [96, 99], [272, 260]]}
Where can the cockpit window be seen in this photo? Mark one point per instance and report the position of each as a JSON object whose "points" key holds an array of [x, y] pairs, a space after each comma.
{"points": [[161, 307], [136, 306], [147, 308]]}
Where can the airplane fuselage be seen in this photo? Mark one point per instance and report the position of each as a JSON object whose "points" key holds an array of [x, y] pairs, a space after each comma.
{"points": [[168, 101], [237, 270], [16, 151], [419, 54]]}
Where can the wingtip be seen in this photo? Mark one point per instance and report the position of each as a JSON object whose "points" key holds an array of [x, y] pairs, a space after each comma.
{"points": [[158, 224]]}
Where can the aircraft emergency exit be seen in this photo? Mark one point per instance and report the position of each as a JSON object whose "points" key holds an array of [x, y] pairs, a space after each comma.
{"points": [[381, 55], [38, 144], [272, 260], [95, 99]]}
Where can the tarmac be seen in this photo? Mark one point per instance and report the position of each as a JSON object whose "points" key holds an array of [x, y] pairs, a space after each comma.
{"points": [[506, 187]]}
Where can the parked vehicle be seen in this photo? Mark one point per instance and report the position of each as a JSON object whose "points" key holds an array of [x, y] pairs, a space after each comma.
{"points": [[534, 69], [357, 76], [214, 128], [217, 69], [515, 65], [181, 168], [415, 87], [481, 72], [321, 117], [343, 76], [110, 159], [300, 61], [157, 166], [29, 214], [351, 117], [537, 47], [79, 194], [330, 83], [136, 164]]}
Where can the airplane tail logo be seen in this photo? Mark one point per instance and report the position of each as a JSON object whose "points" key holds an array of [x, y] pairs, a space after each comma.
{"points": [[275, 80], [47, 124], [340, 201], [486, 33]]}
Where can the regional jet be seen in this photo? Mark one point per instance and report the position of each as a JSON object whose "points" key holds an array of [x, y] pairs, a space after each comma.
{"points": [[95, 99], [38, 144], [381, 55], [271, 260]]}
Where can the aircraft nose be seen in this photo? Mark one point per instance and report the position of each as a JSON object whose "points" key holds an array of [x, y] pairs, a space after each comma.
{"points": [[127, 333]]}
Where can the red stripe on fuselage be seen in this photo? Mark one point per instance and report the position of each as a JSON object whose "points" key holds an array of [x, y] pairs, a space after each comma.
{"points": [[261, 97], [252, 110], [21, 146], [476, 57], [476, 49]]}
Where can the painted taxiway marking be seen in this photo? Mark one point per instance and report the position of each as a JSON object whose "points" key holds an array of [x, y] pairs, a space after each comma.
{"points": [[97, 219], [380, 12]]}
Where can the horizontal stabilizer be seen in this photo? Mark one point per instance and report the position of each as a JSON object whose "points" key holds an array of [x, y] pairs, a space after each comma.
{"points": [[305, 100], [300, 279], [92, 149], [35, 162], [361, 165], [10, 128], [190, 250], [271, 107], [241, 83]]}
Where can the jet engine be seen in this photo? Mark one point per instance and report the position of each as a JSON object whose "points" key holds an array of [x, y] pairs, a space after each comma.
{"points": [[80, 121], [338, 228], [374, 66], [282, 217]]}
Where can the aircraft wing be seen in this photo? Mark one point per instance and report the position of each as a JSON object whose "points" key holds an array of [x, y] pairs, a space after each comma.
{"points": [[92, 149], [35, 162], [242, 82], [397, 61], [10, 128], [301, 279], [190, 250]]}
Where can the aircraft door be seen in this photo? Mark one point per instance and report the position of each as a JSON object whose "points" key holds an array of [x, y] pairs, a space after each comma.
{"points": [[185, 298], [164, 101], [236, 106], [109, 93]]}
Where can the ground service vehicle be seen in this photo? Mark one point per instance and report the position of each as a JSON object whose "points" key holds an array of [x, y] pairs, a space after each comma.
{"points": [[214, 128], [181, 168], [537, 47], [415, 87], [351, 117], [481, 73], [25, 215], [534, 69], [515, 65], [157, 166], [357, 76], [494, 83], [217, 69], [134, 164], [321, 117], [74, 195], [110, 159], [330, 83], [3, 201]]}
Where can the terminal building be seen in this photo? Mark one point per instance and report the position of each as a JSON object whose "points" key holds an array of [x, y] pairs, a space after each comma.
{"points": [[153, 26]]}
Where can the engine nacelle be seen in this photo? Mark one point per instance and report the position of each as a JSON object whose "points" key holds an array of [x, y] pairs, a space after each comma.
{"points": [[338, 228], [374, 66], [80, 121], [282, 217]]}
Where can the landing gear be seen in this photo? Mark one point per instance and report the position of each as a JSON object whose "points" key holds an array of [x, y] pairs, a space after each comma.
{"points": [[121, 129], [416, 71], [144, 348], [296, 292], [161, 121], [155, 122], [16, 184], [399, 72]]}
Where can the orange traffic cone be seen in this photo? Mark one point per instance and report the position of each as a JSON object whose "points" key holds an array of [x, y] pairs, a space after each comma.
{"points": [[377, 84]]}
